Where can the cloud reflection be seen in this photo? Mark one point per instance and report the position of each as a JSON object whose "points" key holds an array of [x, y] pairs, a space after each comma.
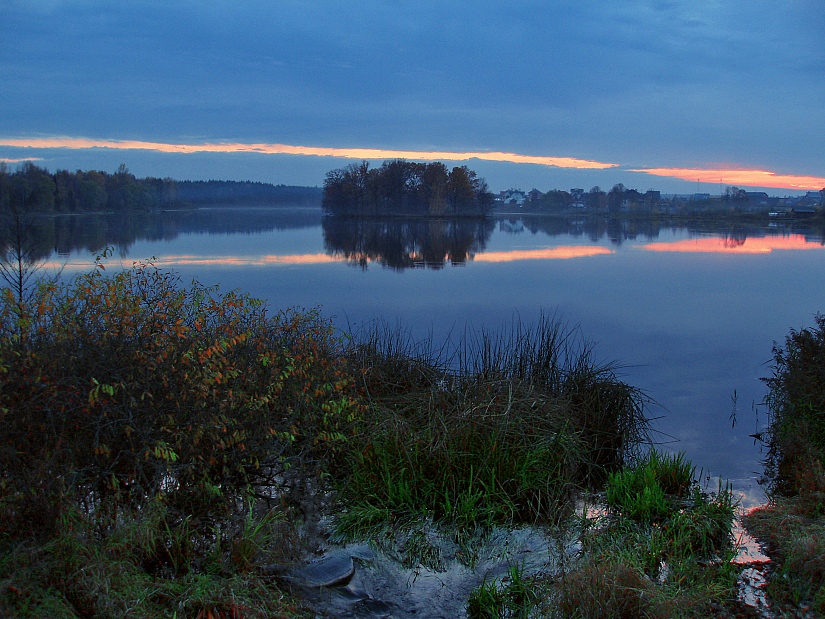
{"points": [[753, 245], [286, 149], [228, 261], [551, 253]]}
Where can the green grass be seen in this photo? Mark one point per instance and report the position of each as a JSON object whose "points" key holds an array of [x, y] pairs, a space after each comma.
{"points": [[656, 553], [496, 431], [647, 491], [142, 565], [513, 597]]}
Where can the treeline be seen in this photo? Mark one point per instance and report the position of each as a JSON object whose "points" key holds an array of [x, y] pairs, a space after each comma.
{"points": [[406, 187], [618, 199], [32, 188], [246, 192]]}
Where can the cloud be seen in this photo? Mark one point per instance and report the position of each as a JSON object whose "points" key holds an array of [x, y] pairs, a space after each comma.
{"points": [[662, 83], [285, 149], [747, 178], [19, 159]]}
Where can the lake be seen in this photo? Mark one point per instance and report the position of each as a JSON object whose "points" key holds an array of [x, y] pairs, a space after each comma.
{"points": [[690, 313]]}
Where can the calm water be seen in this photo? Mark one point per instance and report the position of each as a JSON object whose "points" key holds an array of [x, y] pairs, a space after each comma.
{"points": [[691, 315]]}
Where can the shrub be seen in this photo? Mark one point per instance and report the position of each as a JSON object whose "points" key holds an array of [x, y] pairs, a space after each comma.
{"points": [[796, 402], [609, 590], [119, 389]]}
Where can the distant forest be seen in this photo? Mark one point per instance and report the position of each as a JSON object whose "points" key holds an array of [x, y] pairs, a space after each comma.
{"points": [[406, 187], [32, 188]]}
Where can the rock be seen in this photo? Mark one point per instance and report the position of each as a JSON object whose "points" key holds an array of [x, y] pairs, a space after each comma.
{"points": [[330, 571]]}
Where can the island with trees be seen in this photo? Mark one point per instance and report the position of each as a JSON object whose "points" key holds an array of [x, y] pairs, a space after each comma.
{"points": [[400, 187]]}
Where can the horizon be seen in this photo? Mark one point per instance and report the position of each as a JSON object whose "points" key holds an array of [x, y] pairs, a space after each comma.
{"points": [[496, 192]]}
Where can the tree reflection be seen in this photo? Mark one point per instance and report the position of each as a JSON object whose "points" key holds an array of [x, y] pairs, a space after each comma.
{"points": [[66, 234], [406, 243]]}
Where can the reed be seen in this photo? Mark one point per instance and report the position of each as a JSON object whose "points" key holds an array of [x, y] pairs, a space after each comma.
{"points": [[498, 427]]}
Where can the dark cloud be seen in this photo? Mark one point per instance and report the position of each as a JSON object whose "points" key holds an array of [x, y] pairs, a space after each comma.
{"points": [[634, 82]]}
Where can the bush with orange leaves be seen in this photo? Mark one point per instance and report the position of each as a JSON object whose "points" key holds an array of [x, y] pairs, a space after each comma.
{"points": [[119, 388]]}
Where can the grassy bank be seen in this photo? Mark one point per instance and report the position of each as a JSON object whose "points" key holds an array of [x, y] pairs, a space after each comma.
{"points": [[503, 428], [164, 446], [658, 546], [793, 524]]}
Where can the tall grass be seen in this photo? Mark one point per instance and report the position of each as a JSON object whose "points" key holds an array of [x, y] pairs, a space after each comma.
{"points": [[793, 524], [500, 427], [796, 403]]}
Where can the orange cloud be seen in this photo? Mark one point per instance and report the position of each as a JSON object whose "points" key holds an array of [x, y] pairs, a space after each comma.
{"points": [[748, 178], [553, 253], [753, 245], [285, 149]]}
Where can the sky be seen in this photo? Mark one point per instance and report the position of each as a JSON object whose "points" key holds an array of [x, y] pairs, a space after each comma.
{"points": [[681, 96]]}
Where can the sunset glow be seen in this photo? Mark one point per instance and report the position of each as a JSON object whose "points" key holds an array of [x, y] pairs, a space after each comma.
{"points": [[755, 245], [285, 149], [551, 253], [228, 261], [748, 178]]}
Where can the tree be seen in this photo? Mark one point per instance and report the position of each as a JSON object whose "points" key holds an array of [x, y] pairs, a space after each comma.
{"points": [[20, 253], [597, 199], [400, 186], [615, 197], [435, 187], [460, 193]]}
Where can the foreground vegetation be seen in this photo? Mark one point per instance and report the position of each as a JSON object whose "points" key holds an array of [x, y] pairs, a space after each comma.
{"points": [[793, 524], [150, 434], [163, 447], [658, 547]]}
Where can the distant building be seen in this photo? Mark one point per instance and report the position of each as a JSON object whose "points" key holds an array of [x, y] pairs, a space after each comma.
{"points": [[512, 197], [577, 198], [813, 198], [757, 197]]}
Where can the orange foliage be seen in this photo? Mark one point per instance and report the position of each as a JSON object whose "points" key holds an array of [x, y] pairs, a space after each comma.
{"points": [[128, 386]]}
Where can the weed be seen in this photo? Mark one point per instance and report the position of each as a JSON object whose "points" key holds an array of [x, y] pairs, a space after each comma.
{"points": [[796, 401], [609, 590], [514, 597], [797, 545]]}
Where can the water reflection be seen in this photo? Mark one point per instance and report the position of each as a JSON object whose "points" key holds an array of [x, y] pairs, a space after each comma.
{"points": [[616, 230], [736, 245], [411, 243], [406, 243], [67, 234]]}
